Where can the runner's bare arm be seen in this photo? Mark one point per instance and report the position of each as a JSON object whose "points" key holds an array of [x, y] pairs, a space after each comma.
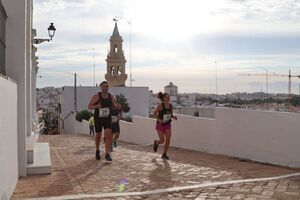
{"points": [[92, 105], [173, 116], [120, 116], [157, 110], [114, 101]]}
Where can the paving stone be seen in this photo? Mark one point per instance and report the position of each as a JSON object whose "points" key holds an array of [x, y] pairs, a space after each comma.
{"points": [[137, 168]]}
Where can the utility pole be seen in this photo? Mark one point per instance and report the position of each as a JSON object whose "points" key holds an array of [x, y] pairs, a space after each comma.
{"points": [[290, 91], [267, 88], [75, 92], [94, 65], [216, 83]]}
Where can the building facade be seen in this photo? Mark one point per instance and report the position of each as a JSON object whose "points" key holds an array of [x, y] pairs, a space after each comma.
{"points": [[171, 89], [18, 68], [115, 60]]}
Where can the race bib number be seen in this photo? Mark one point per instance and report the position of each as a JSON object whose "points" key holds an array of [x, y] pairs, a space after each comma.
{"points": [[104, 112], [114, 119], [167, 118]]}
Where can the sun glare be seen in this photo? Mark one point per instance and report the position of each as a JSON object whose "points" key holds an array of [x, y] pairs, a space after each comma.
{"points": [[174, 19]]}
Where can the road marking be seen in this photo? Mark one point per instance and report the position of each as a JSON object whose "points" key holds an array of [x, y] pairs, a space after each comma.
{"points": [[58, 148], [135, 145], [166, 190]]}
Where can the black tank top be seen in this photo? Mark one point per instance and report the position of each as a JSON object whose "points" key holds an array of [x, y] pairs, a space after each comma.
{"points": [[164, 112], [115, 114], [105, 103]]}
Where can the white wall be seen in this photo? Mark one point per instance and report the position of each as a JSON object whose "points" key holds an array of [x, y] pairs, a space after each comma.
{"points": [[126, 127], [205, 112], [81, 127], [71, 126], [8, 141], [18, 47], [269, 137], [137, 97]]}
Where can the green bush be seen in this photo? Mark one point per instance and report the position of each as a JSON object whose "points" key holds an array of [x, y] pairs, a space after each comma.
{"points": [[121, 99], [84, 114]]}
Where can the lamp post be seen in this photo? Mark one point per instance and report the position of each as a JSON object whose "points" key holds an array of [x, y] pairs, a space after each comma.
{"points": [[51, 33]]}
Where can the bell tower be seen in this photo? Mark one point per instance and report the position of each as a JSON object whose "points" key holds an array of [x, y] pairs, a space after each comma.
{"points": [[115, 61]]}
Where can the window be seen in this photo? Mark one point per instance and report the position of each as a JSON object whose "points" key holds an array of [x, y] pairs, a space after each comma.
{"points": [[119, 72], [116, 49], [115, 70], [3, 17], [112, 70]]}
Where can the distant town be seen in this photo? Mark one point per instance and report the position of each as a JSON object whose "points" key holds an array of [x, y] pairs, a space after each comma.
{"points": [[193, 104]]}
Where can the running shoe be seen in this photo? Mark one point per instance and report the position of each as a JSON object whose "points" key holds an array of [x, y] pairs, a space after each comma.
{"points": [[98, 155], [107, 157], [155, 146], [165, 157], [115, 143]]}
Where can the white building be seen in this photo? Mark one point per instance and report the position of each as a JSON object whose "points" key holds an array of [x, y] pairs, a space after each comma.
{"points": [[171, 89], [17, 90], [137, 97]]}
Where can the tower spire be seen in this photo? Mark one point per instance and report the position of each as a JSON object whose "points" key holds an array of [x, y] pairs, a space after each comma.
{"points": [[115, 72], [116, 30]]}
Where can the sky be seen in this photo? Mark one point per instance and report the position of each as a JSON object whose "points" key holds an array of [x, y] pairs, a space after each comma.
{"points": [[191, 43]]}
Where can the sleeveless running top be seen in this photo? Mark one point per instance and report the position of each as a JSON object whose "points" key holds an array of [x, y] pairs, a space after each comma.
{"points": [[115, 114], [106, 105], [165, 114]]}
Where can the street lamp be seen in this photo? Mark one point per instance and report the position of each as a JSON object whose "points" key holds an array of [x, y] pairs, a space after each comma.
{"points": [[51, 30], [51, 33]]}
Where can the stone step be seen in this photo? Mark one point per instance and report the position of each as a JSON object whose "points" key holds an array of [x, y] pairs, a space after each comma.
{"points": [[30, 155], [42, 160], [30, 144]]}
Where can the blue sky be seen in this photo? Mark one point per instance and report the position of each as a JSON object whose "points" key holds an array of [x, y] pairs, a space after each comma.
{"points": [[173, 40]]}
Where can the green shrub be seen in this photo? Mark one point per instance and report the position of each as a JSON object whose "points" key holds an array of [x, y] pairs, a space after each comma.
{"points": [[84, 114], [121, 99]]}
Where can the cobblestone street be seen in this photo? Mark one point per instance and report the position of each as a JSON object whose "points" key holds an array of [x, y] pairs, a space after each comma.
{"points": [[136, 169]]}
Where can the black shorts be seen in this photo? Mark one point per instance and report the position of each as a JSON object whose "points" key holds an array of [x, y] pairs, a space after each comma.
{"points": [[104, 122], [115, 128]]}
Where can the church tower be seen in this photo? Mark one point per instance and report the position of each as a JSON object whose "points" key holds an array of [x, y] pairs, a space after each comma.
{"points": [[115, 72]]}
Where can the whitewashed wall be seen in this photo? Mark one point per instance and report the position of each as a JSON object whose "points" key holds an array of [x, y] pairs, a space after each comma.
{"points": [[9, 138], [71, 126], [269, 137], [81, 127], [138, 98], [18, 67]]}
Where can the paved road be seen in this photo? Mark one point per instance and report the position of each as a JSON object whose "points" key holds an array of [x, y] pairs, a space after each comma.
{"points": [[137, 169]]}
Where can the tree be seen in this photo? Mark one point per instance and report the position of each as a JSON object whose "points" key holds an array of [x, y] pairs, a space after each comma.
{"points": [[296, 100], [84, 114], [121, 99]]}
